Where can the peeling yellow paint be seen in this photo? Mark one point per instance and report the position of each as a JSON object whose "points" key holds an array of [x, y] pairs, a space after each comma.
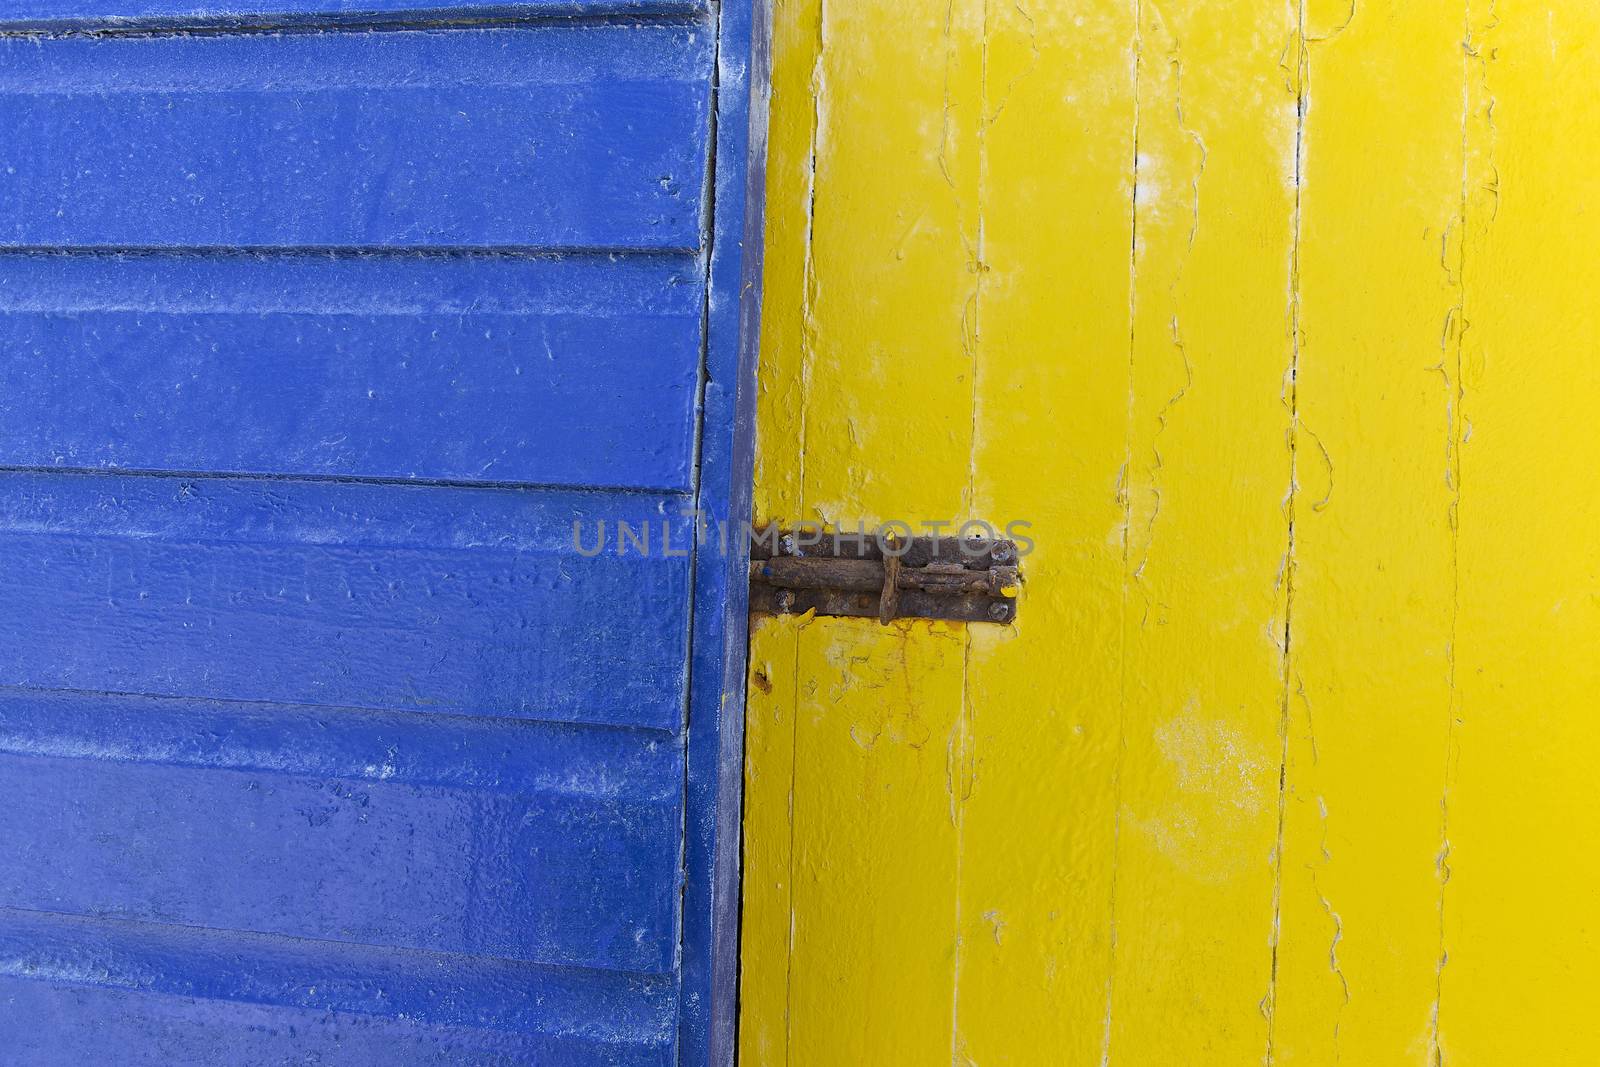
{"points": [[1369, 659], [1276, 321]]}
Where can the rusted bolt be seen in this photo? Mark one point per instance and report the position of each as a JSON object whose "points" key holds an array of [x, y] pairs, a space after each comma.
{"points": [[998, 612], [1002, 552], [785, 600], [786, 544]]}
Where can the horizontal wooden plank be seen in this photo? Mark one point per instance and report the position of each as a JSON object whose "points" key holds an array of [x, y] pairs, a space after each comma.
{"points": [[531, 876], [24, 15], [543, 842], [164, 995], [417, 598], [565, 135], [572, 370], [47, 1023], [355, 745]]}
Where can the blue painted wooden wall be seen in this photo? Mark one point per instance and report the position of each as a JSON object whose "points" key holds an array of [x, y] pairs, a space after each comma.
{"points": [[320, 327]]}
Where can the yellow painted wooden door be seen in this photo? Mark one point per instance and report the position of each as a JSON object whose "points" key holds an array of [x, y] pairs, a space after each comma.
{"points": [[1278, 321]]}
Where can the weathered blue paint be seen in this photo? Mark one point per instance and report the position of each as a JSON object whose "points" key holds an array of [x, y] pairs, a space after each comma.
{"points": [[510, 869], [571, 370], [106, 991], [709, 1019], [123, 15], [551, 136], [322, 740], [432, 600]]}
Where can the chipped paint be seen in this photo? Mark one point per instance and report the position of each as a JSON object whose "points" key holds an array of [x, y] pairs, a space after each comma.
{"points": [[1276, 321]]}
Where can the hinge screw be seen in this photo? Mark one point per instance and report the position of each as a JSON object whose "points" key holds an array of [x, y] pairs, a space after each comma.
{"points": [[998, 612], [1001, 552], [785, 600]]}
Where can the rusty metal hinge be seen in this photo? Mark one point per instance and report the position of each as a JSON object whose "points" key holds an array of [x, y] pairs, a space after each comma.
{"points": [[967, 580]]}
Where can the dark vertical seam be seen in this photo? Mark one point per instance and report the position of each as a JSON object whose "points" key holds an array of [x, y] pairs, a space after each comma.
{"points": [[1302, 100], [794, 776], [703, 377], [808, 296]]}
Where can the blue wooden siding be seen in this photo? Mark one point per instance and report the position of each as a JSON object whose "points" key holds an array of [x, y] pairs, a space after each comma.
{"points": [[571, 370], [81, 991], [590, 136], [710, 968], [167, 14], [320, 739]]}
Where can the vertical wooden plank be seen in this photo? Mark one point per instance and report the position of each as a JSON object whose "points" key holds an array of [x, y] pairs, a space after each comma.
{"points": [[888, 391], [1418, 656], [1379, 294], [1520, 942], [791, 147], [1050, 415], [771, 688], [1207, 534], [768, 869], [877, 417], [888, 360], [873, 964]]}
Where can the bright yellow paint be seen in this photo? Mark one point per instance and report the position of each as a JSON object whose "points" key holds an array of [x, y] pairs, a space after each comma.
{"points": [[1278, 322], [1380, 296], [1519, 907]]}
